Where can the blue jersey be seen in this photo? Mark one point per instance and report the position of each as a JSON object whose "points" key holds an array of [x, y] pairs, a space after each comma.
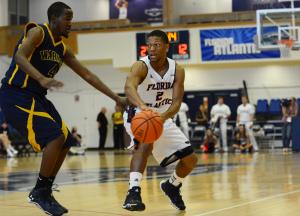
{"points": [[47, 58]]}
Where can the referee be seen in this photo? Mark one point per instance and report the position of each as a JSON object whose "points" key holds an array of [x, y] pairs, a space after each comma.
{"points": [[117, 119]]}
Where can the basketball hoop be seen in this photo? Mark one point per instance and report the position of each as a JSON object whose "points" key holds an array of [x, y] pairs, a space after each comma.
{"points": [[285, 47]]}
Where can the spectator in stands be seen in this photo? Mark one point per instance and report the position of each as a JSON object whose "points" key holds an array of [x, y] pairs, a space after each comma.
{"points": [[289, 111], [182, 118], [220, 113], [242, 141], [245, 116], [76, 150], [102, 127], [202, 116], [122, 6], [210, 142], [4, 140], [118, 124]]}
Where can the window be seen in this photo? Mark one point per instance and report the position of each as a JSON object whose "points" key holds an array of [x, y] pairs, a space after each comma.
{"points": [[18, 11]]}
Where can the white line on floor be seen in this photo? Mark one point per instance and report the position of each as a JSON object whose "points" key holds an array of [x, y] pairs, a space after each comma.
{"points": [[248, 203]]}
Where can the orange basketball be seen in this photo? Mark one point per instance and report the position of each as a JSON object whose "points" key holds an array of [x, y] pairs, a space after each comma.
{"points": [[146, 126]]}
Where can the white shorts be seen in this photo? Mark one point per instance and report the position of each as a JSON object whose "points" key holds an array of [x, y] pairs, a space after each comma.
{"points": [[171, 140]]}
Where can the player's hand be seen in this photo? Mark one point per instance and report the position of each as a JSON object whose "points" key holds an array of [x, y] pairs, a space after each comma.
{"points": [[50, 83], [145, 108]]}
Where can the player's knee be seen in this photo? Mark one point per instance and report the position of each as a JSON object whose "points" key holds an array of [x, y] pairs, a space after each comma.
{"points": [[145, 149]]}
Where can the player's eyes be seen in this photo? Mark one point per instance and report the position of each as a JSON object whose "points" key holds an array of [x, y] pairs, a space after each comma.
{"points": [[154, 45]]}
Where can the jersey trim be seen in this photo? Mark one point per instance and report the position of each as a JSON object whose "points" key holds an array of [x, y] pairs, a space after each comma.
{"points": [[175, 71], [36, 25], [144, 63], [65, 48], [147, 69], [13, 74], [29, 58], [51, 36], [64, 129]]}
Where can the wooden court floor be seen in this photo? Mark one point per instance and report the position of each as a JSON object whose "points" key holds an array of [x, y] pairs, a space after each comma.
{"points": [[261, 184]]}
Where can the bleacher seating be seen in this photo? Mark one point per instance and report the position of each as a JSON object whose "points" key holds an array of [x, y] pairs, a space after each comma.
{"points": [[275, 107], [262, 107], [198, 133], [262, 110]]}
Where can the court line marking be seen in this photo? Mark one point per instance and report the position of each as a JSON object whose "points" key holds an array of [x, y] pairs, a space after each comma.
{"points": [[76, 210], [248, 203]]}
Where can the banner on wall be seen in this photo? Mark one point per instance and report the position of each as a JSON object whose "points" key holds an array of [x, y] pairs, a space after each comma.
{"points": [[137, 10], [248, 5], [232, 44]]}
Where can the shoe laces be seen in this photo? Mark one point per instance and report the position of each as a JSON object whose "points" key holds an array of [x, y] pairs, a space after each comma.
{"points": [[175, 192], [135, 193]]}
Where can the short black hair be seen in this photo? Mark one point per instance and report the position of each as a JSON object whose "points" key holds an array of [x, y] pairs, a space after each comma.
{"points": [[56, 9], [160, 34]]}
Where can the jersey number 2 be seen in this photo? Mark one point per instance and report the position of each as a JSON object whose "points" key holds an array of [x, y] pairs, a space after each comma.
{"points": [[159, 96]]}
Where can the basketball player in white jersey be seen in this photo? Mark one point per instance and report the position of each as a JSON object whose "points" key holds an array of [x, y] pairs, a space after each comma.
{"points": [[221, 112], [245, 115], [157, 83]]}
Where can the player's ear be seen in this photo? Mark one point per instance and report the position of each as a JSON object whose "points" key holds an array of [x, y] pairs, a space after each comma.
{"points": [[53, 19]]}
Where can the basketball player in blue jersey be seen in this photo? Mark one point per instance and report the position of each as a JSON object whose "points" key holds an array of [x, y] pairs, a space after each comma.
{"points": [[157, 83], [37, 58]]}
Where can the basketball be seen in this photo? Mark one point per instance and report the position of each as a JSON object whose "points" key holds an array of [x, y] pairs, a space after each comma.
{"points": [[147, 126]]}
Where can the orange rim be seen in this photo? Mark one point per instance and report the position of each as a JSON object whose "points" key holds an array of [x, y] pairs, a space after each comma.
{"points": [[287, 42]]}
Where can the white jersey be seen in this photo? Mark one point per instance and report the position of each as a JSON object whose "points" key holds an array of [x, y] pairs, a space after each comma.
{"points": [[220, 111], [245, 113], [182, 113], [157, 91]]}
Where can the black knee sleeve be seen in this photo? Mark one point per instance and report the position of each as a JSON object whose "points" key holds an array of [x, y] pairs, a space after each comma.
{"points": [[176, 156]]}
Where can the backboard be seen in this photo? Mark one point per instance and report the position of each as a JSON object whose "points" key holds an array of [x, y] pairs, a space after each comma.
{"points": [[275, 26]]}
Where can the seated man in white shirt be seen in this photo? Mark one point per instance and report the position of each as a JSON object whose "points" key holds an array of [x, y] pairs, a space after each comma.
{"points": [[221, 112], [245, 115]]}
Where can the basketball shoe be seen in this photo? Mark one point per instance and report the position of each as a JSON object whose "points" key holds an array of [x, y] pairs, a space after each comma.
{"points": [[133, 201], [41, 197], [173, 193]]}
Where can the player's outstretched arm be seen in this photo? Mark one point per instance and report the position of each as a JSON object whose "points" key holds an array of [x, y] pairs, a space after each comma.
{"points": [[33, 38], [90, 77], [178, 91], [136, 76]]}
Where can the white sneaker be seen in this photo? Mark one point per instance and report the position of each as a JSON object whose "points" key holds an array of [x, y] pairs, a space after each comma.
{"points": [[9, 153], [14, 151]]}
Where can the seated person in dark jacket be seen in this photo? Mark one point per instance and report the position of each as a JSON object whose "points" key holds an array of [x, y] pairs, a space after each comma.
{"points": [[78, 149], [210, 142], [242, 141]]}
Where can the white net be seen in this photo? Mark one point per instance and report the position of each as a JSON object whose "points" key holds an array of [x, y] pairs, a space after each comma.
{"points": [[285, 47], [285, 51]]}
